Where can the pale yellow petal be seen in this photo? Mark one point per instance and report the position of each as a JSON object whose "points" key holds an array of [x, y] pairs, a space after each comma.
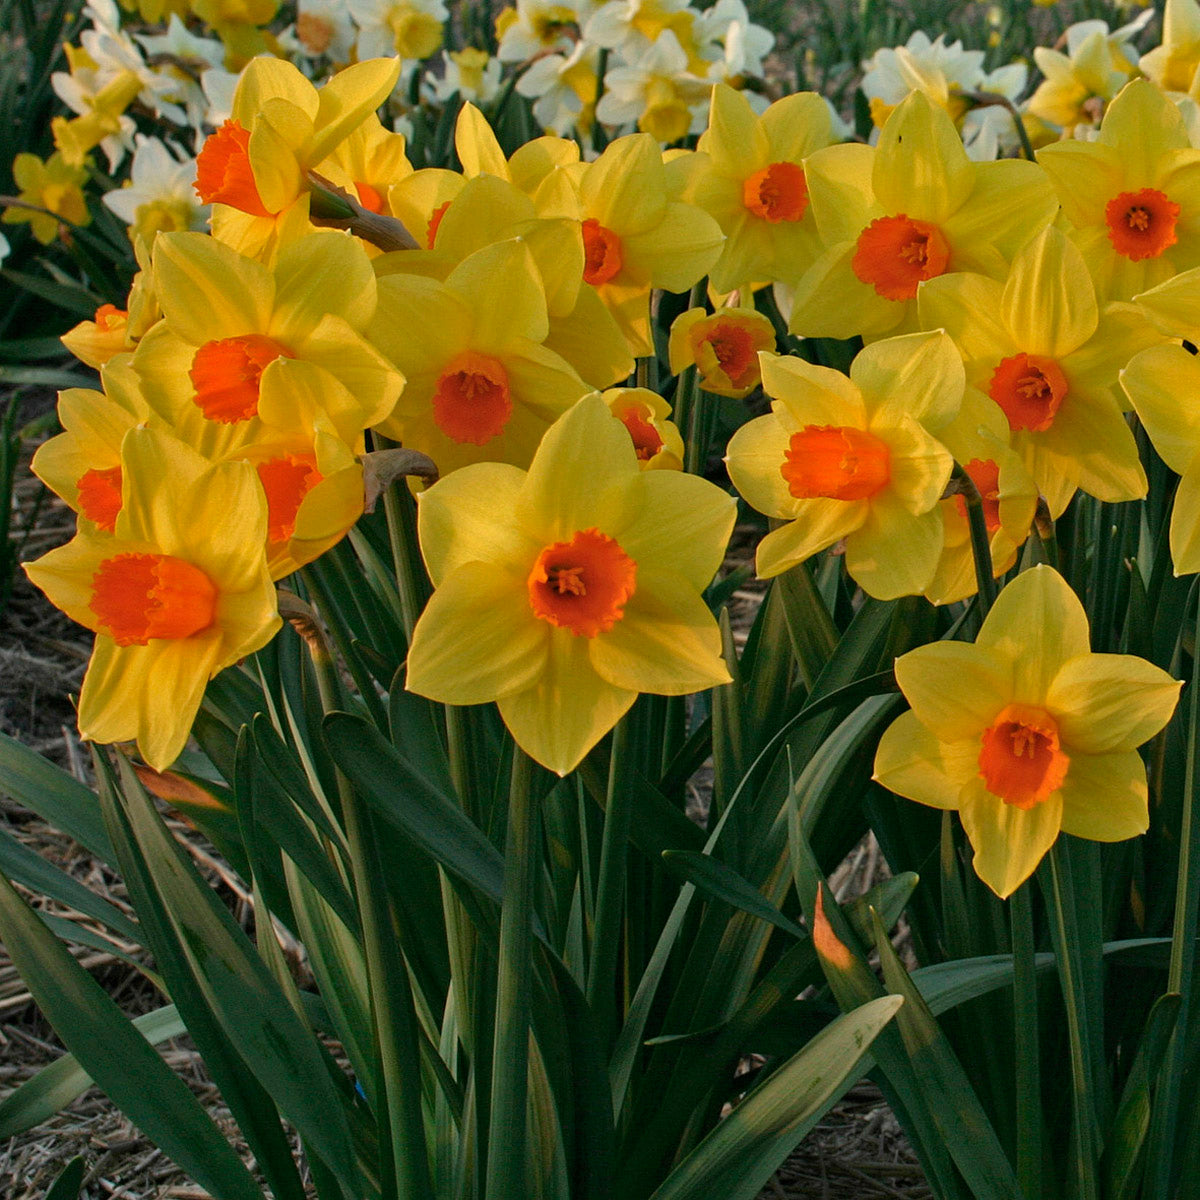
{"points": [[968, 307], [894, 553], [812, 395], [1162, 383], [1185, 522], [754, 457], [921, 168], [954, 688], [326, 273], [818, 525], [1049, 303], [1009, 842], [735, 140], [919, 375]]}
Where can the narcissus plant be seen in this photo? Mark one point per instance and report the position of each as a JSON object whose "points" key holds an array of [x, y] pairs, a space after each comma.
{"points": [[179, 591], [564, 591], [1027, 733], [855, 459]]}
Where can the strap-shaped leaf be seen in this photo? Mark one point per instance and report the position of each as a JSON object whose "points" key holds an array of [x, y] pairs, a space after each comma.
{"points": [[117, 1056], [745, 1149]]}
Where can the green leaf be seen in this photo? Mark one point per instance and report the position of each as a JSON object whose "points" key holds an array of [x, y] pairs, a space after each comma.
{"points": [[405, 798], [738, 1157], [810, 627], [117, 1056], [724, 883], [58, 798], [64, 1080], [68, 1182]]}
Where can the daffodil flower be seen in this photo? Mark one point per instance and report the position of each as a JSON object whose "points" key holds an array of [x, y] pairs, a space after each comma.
{"points": [[564, 591], [1027, 733], [855, 459], [724, 346], [913, 208], [646, 415], [179, 591]]}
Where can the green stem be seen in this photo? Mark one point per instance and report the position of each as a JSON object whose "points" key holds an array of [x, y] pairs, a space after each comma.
{"points": [[400, 508], [510, 1052], [981, 548], [404, 1161], [1160, 1166], [1028, 1050], [1066, 944], [610, 894]]}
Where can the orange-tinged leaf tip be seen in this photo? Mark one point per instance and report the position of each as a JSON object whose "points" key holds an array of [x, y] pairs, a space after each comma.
{"points": [[1141, 224], [472, 401], [137, 597], [833, 951], [1020, 759], [175, 789], [837, 462], [895, 254], [777, 193], [1030, 389], [582, 585]]}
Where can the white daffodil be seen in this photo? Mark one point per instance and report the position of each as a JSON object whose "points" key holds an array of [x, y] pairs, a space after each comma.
{"points": [[160, 194]]}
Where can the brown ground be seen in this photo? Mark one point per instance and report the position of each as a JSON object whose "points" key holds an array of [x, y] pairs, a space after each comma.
{"points": [[857, 1153]]}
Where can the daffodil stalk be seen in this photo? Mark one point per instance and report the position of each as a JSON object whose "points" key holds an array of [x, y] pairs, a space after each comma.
{"points": [[981, 551]]}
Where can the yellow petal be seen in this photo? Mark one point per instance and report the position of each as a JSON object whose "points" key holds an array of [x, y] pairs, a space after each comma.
{"points": [[921, 168], [812, 395], [326, 273], [754, 457], [818, 525], [470, 516], [1174, 306], [1009, 842], [667, 642], [797, 126], [1106, 703], [590, 339], [567, 710], [1085, 177], [265, 79], [678, 250], [839, 188], [280, 132], [347, 99], [831, 301], [502, 286], [894, 553], [1161, 382], [912, 762], [1049, 303], [1104, 797], [955, 689], [478, 150], [920, 466], [1185, 522], [625, 188], [1141, 124], [1011, 201], [968, 307], [920, 375], [734, 141], [1037, 624], [477, 639]]}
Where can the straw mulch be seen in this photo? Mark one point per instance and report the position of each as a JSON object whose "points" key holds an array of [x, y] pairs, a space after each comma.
{"points": [[857, 1153]]}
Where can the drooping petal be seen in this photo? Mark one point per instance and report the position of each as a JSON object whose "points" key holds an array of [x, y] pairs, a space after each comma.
{"points": [[477, 639], [818, 525], [1104, 797], [913, 763], [567, 710], [1009, 842]]}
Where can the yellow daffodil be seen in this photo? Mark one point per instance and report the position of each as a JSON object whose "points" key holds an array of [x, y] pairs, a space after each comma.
{"points": [[238, 24], [636, 236], [488, 209], [1132, 196], [646, 415], [1172, 64], [177, 593], [724, 347], [367, 163], [979, 440], [481, 386], [530, 165], [749, 176], [53, 185], [1162, 384], [83, 463], [1027, 733], [241, 348], [77, 137], [96, 341], [913, 208], [253, 168], [855, 459], [563, 592], [1039, 346]]}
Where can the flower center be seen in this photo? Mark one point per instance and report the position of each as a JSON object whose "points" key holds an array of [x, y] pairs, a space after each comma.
{"points": [[601, 253], [646, 439], [1141, 224], [732, 347], [777, 193], [223, 172], [894, 254], [985, 475], [1030, 389], [100, 496], [472, 402], [435, 221], [226, 375], [1020, 760], [582, 585], [286, 481], [415, 33], [837, 462], [110, 318], [137, 597], [369, 197]]}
